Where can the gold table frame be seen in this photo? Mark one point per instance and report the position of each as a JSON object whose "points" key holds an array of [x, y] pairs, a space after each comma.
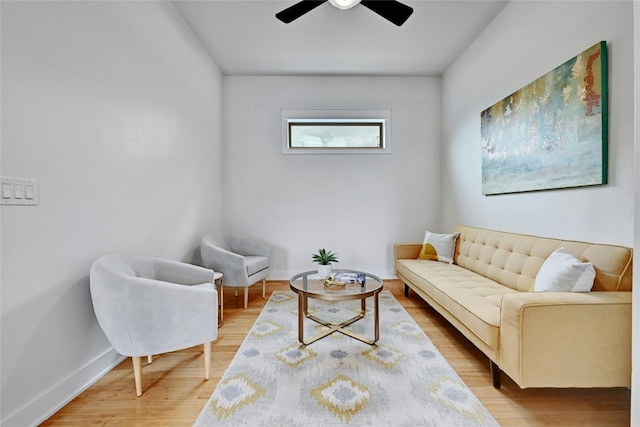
{"points": [[314, 288], [217, 280]]}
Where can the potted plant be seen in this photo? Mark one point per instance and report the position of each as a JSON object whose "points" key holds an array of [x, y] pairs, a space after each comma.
{"points": [[324, 259]]}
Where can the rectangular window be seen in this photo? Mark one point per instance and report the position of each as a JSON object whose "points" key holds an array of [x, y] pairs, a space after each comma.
{"points": [[336, 131], [365, 133]]}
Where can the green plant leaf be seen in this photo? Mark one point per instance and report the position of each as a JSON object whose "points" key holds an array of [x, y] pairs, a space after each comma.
{"points": [[324, 257]]}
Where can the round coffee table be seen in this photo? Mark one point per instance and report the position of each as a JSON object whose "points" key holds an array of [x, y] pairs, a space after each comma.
{"points": [[310, 285]]}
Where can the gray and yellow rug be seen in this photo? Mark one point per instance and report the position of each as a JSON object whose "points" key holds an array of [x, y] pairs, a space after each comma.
{"points": [[401, 381]]}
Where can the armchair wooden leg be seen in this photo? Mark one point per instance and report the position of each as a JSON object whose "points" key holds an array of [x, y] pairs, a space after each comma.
{"points": [[246, 297], [264, 287], [207, 359], [137, 373]]}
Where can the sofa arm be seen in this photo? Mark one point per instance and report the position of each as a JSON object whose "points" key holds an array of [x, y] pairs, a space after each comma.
{"points": [[406, 250], [558, 339]]}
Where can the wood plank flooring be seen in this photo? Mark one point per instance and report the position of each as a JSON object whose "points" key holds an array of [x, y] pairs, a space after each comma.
{"points": [[174, 390]]}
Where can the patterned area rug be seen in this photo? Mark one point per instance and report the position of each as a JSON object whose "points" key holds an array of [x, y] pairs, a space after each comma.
{"points": [[273, 380]]}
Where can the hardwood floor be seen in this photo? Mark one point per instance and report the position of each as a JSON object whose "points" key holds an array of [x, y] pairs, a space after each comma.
{"points": [[174, 390]]}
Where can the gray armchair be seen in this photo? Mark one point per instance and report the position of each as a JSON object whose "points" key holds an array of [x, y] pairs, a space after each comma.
{"points": [[243, 262], [148, 306]]}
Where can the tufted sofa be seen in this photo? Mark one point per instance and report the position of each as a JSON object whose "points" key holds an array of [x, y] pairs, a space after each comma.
{"points": [[539, 339]]}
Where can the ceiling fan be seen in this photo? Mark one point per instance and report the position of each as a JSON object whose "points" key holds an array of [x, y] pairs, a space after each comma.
{"points": [[393, 11]]}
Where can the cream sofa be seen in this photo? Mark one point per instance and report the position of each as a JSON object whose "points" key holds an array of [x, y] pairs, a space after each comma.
{"points": [[539, 339]]}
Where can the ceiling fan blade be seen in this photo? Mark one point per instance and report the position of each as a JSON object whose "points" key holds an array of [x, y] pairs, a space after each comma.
{"points": [[394, 11], [298, 9]]}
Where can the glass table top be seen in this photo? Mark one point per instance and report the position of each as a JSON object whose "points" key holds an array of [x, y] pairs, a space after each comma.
{"points": [[312, 284]]}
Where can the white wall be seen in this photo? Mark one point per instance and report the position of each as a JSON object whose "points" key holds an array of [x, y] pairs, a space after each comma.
{"points": [[525, 41], [356, 205], [116, 110]]}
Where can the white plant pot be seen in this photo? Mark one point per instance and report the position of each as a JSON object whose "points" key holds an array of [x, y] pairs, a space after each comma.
{"points": [[324, 270]]}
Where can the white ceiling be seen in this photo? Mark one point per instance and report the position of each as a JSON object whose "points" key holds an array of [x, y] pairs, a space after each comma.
{"points": [[244, 37]]}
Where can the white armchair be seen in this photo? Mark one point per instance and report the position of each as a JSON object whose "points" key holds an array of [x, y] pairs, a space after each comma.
{"points": [[148, 306], [243, 262]]}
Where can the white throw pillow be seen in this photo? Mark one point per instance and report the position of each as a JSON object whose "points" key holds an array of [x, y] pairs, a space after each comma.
{"points": [[562, 272], [438, 247]]}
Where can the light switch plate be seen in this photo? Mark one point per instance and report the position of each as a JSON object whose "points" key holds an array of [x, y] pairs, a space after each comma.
{"points": [[28, 192], [7, 191], [19, 191]]}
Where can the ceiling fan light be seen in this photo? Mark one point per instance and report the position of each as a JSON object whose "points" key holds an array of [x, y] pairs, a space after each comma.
{"points": [[344, 4]]}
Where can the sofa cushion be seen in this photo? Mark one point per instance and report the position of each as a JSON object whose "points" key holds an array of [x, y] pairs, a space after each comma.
{"points": [[438, 247], [473, 299], [562, 272]]}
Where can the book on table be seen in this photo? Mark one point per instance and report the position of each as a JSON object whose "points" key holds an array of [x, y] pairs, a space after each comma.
{"points": [[347, 277]]}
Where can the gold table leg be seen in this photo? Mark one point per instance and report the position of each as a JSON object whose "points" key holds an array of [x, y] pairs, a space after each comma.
{"points": [[303, 311], [219, 283]]}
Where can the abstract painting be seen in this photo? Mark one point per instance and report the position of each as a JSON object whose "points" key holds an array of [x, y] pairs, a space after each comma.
{"points": [[552, 133]]}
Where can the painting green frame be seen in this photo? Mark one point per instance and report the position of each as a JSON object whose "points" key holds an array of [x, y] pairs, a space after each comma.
{"points": [[552, 133]]}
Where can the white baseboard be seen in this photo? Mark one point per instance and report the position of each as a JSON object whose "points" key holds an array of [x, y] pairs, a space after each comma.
{"points": [[43, 406]]}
